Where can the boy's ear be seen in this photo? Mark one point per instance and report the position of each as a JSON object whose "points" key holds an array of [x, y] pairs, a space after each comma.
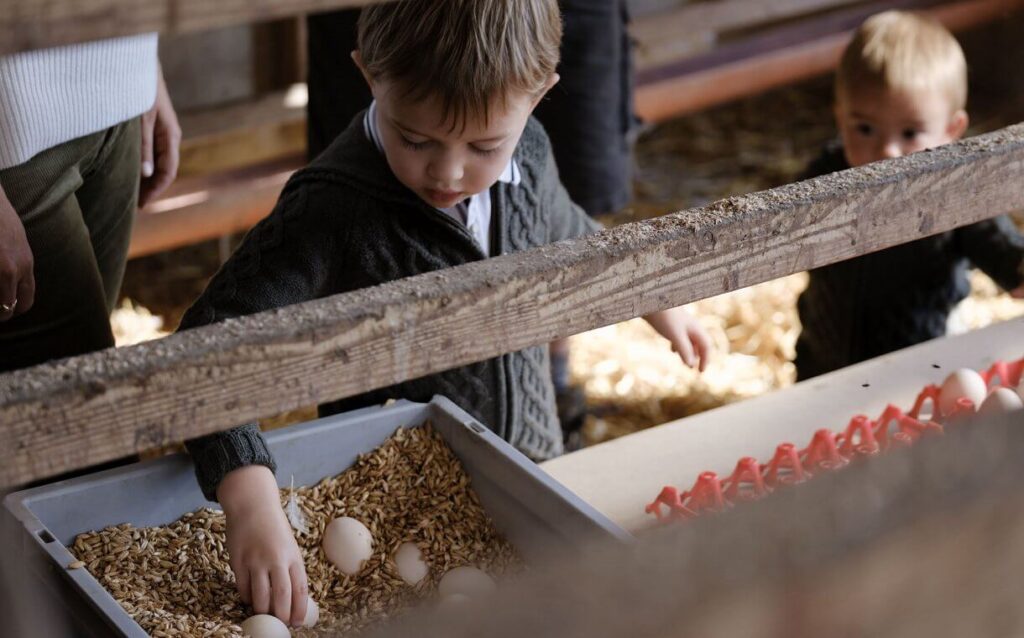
{"points": [[358, 59], [958, 124], [552, 81]]}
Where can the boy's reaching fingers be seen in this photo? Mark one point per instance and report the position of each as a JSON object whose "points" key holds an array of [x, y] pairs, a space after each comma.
{"points": [[260, 591], [243, 584], [300, 594], [281, 593]]}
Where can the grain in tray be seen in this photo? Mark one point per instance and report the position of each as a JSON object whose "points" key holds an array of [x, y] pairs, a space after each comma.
{"points": [[175, 580]]}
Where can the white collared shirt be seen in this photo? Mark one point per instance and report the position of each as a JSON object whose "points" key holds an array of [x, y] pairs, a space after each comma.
{"points": [[474, 212]]}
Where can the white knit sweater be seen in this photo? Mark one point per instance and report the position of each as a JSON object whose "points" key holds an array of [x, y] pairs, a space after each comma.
{"points": [[52, 96]]}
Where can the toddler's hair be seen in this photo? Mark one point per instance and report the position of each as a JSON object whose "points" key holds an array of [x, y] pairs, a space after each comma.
{"points": [[466, 53], [897, 50]]}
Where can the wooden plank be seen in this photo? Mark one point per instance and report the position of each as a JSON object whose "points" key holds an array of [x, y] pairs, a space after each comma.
{"points": [[37, 24], [671, 35], [101, 406], [918, 542], [620, 477], [198, 209], [746, 68], [243, 134]]}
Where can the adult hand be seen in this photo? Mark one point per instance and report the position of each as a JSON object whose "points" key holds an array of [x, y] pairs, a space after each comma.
{"points": [[161, 139], [269, 571], [17, 281]]}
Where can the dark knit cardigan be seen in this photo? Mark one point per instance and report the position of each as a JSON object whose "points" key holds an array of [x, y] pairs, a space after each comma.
{"points": [[345, 223], [894, 298]]}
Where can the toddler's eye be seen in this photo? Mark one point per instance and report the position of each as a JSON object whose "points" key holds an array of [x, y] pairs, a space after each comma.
{"points": [[865, 129], [910, 134]]}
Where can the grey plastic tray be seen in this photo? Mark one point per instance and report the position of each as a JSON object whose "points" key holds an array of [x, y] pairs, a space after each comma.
{"points": [[537, 514]]}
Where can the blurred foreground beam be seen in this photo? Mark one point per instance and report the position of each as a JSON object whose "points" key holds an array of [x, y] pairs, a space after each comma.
{"points": [[925, 541], [85, 410]]}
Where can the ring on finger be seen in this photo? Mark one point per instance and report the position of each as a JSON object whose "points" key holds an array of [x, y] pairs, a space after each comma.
{"points": [[8, 307]]}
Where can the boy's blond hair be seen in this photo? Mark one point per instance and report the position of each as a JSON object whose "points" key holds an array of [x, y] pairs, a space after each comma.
{"points": [[466, 53], [896, 50]]}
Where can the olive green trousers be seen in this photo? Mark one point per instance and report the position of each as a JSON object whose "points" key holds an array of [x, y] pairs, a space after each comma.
{"points": [[77, 202]]}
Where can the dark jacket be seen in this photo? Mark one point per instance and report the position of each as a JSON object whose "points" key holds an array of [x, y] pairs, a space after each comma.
{"points": [[345, 223], [894, 298]]}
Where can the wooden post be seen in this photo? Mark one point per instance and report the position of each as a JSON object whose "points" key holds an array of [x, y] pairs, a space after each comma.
{"points": [[101, 406]]}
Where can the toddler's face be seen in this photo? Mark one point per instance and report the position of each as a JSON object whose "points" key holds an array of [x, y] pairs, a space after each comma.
{"points": [[443, 164], [878, 124]]}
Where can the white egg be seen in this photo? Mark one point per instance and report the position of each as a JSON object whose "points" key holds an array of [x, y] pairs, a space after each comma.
{"points": [[410, 564], [1001, 400], [348, 544], [468, 581], [312, 613], [265, 626], [964, 383], [455, 601]]}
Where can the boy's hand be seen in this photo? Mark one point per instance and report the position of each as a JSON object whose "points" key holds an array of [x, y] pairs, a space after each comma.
{"points": [[262, 550], [1018, 292], [17, 278], [685, 334]]}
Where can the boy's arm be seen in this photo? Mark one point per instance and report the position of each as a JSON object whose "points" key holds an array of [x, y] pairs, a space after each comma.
{"points": [[566, 219], [997, 248], [287, 258], [282, 261]]}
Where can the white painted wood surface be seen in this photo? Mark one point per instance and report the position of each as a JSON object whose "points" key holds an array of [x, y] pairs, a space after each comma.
{"points": [[620, 477]]}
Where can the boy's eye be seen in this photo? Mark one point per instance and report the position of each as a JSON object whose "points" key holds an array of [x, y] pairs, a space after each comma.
{"points": [[484, 151], [910, 134], [416, 146], [864, 128]]}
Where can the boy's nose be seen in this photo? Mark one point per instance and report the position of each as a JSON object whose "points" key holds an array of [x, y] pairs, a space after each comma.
{"points": [[446, 171]]}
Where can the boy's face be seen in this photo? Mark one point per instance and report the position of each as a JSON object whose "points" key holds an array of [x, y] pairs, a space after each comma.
{"points": [[443, 164], [878, 124]]}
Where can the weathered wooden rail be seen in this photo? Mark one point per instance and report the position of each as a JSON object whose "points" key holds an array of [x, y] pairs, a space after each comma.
{"points": [[101, 406], [924, 541]]}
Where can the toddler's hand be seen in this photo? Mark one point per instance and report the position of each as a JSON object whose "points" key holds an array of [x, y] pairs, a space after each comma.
{"points": [[686, 335], [1018, 292], [263, 553]]}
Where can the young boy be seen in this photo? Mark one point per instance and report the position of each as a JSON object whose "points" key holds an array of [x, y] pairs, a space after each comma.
{"points": [[446, 167], [901, 88]]}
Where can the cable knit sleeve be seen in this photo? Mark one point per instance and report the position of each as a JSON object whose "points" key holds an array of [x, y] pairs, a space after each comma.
{"points": [[287, 258], [997, 248], [566, 219]]}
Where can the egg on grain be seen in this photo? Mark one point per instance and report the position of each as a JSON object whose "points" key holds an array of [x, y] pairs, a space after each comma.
{"points": [[455, 601], [410, 564], [1001, 400], [468, 581], [964, 383], [347, 544], [312, 613], [265, 626]]}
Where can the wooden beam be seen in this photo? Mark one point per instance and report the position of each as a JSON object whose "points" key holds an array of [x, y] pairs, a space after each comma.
{"points": [[925, 541], [37, 24], [668, 91], [242, 135], [198, 209], [97, 407]]}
